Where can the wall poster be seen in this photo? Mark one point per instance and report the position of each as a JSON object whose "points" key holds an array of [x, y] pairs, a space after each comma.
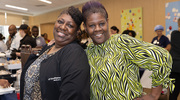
{"points": [[172, 14], [131, 19]]}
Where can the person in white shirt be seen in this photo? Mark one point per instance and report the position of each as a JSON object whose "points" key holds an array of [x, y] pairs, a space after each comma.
{"points": [[16, 41], [14, 37]]}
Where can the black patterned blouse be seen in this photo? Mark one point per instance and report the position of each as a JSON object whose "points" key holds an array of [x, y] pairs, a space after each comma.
{"points": [[32, 89]]}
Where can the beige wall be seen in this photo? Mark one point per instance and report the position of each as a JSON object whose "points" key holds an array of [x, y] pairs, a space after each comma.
{"points": [[46, 21], [153, 14], [11, 19], [47, 28]]}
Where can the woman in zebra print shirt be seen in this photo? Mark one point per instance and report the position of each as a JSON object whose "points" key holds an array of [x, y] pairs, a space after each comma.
{"points": [[115, 60]]}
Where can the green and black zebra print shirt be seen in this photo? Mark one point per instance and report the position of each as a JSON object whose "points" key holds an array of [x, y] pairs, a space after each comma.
{"points": [[115, 67]]}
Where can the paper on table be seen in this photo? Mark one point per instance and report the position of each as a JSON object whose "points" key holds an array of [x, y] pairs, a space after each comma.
{"points": [[145, 80], [6, 90], [13, 66], [3, 64], [2, 54]]}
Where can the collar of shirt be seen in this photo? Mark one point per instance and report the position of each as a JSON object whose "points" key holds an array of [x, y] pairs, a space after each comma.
{"points": [[14, 36], [36, 37]]}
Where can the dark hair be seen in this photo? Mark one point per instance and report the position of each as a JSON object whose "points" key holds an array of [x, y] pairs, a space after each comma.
{"points": [[85, 35], [129, 31], [179, 22], [43, 34], [23, 27], [1, 37], [35, 27], [82, 35], [75, 14], [125, 32], [133, 33], [115, 28], [93, 7]]}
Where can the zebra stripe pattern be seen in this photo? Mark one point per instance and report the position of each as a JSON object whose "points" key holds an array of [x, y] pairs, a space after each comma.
{"points": [[115, 67]]}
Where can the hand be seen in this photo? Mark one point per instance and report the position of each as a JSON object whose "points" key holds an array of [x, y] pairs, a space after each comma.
{"points": [[51, 42], [146, 97], [4, 83], [18, 54]]}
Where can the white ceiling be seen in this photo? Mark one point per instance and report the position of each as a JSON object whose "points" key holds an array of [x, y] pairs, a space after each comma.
{"points": [[36, 7]]}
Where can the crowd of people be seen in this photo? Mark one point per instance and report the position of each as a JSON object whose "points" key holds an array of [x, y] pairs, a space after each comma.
{"points": [[105, 69], [17, 38]]}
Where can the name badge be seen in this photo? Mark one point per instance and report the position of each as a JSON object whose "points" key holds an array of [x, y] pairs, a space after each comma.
{"points": [[54, 79]]}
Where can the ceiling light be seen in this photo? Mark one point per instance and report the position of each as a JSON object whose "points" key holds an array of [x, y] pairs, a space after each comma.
{"points": [[46, 1], [20, 8]]}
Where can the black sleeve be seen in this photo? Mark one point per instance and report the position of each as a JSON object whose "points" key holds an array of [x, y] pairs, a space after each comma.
{"points": [[75, 75], [175, 44], [32, 42], [13, 54]]}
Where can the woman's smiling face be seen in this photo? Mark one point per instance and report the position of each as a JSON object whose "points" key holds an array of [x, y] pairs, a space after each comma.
{"points": [[65, 30], [97, 28]]}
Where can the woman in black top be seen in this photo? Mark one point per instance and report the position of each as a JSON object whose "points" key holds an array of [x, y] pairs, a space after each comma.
{"points": [[61, 72], [175, 52], [26, 38]]}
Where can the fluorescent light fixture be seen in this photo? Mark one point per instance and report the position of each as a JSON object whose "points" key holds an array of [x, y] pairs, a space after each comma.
{"points": [[15, 7], [46, 1]]}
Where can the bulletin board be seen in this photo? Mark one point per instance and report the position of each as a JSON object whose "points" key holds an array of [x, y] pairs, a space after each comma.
{"points": [[172, 14], [131, 19]]}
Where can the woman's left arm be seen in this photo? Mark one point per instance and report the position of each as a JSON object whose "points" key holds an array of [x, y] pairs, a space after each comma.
{"points": [[75, 76], [151, 57]]}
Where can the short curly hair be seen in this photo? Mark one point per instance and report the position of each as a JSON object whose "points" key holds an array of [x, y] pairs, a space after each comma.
{"points": [[75, 14], [35, 27], [93, 7]]}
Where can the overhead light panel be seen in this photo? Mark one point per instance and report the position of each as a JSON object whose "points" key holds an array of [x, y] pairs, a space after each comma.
{"points": [[15, 7], [46, 1]]}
